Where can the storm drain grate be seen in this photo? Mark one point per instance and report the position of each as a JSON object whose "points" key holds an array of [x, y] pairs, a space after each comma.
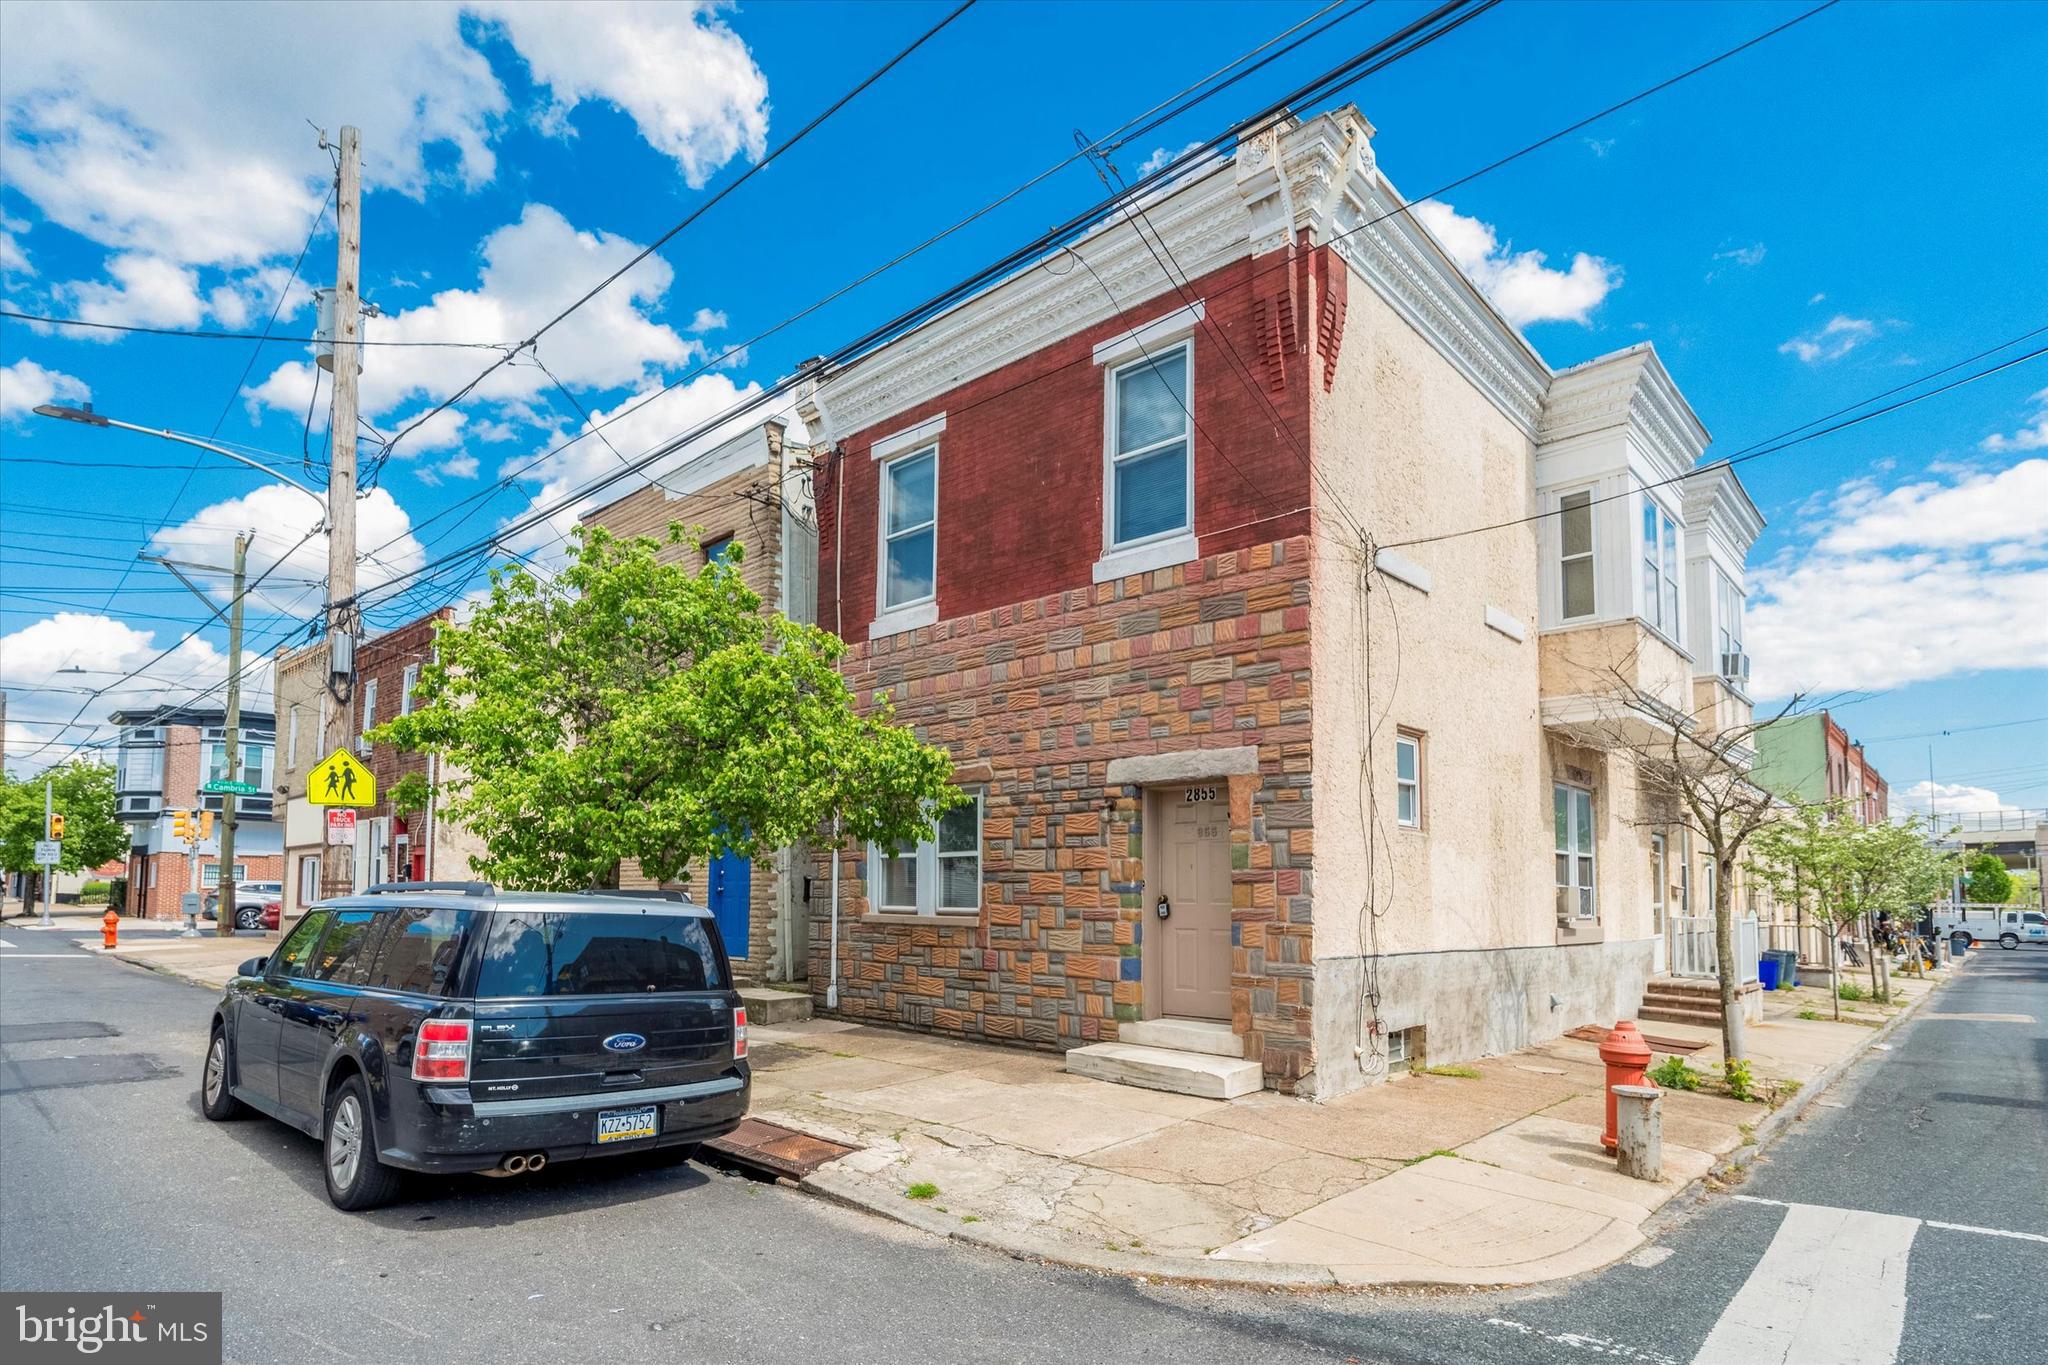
{"points": [[777, 1150]]}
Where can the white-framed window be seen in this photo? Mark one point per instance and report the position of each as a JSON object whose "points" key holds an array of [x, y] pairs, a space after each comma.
{"points": [[209, 874], [1572, 816], [369, 714], [254, 769], [1150, 493], [142, 761], [1728, 602], [1660, 875], [309, 879], [405, 687], [1575, 564], [910, 529], [1408, 779], [1660, 568], [291, 739], [941, 876]]}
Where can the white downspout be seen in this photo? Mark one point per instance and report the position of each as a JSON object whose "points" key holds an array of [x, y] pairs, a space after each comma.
{"points": [[832, 986]]}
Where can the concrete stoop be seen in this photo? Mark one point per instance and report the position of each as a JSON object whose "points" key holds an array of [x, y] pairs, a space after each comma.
{"points": [[1210, 1036], [766, 1005], [1683, 1000], [1203, 1075]]}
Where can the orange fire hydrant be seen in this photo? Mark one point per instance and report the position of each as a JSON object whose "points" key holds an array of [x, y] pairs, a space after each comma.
{"points": [[109, 924], [1627, 1057]]}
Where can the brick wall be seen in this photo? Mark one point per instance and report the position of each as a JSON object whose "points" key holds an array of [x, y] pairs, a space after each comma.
{"points": [[1021, 460], [173, 873], [1034, 699], [384, 660]]}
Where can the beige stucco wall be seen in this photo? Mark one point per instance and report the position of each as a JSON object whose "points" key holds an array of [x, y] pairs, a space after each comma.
{"points": [[1410, 448], [1595, 661]]}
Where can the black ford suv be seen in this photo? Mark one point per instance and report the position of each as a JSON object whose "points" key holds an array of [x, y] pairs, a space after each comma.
{"points": [[428, 1026]]}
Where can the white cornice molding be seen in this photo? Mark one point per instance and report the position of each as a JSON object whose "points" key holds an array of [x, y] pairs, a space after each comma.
{"points": [[1628, 389], [1716, 501]]}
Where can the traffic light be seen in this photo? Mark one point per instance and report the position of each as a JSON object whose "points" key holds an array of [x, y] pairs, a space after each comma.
{"points": [[205, 825], [56, 826], [181, 825]]}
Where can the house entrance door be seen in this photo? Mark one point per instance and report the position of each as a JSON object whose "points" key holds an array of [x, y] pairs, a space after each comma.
{"points": [[1660, 883], [1194, 939]]}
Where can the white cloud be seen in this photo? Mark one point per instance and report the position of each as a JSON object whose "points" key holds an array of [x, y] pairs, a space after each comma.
{"points": [[25, 385], [1950, 798], [1518, 283], [2032, 436], [279, 517], [1599, 146], [41, 698], [1752, 254], [145, 291], [685, 79], [532, 269], [1841, 335], [13, 255], [1926, 580], [708, 320], [454, 467], [1162, 157]]}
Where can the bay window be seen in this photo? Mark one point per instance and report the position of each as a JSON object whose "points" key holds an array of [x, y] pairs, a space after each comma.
{"points": [[1728, 628], [1660, 568]]}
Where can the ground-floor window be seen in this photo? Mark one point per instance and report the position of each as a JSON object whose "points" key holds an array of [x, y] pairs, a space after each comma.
{"points": [[209, 875], [309, 879], [1572, 817], [940, 876]]}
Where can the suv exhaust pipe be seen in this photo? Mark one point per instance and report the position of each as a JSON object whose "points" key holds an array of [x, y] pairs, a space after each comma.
{"points": [[515, 1165], [535, 1162]]}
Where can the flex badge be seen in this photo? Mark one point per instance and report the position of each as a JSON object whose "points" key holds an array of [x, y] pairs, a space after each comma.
{"points": [[341, 780]]}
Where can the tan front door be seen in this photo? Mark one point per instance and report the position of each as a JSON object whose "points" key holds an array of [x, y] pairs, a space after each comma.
{"points": [[1194, 863]]}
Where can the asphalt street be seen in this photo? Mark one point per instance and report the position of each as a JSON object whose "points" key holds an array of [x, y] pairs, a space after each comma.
{"points": [[1908, 1195]]}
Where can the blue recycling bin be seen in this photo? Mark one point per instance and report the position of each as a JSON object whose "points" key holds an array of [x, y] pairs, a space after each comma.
{"points": [[1767, 969]]}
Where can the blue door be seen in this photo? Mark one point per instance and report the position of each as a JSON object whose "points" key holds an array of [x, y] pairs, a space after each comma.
{"points": [[732, 886]]}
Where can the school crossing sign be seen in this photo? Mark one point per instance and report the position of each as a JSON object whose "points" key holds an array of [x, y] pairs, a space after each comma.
{"points": [[341, 780]]}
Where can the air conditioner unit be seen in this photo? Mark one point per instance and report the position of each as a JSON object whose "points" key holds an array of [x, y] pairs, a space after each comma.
{"points": [[1735, 667], [363, 745]]}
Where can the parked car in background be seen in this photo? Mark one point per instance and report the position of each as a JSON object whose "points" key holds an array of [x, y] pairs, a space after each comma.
{"points": [[449, 1027], [2006, 925], [249, 903]]}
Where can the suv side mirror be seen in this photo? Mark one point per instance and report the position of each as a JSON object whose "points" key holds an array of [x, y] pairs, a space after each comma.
{"points": [[253, 967]]}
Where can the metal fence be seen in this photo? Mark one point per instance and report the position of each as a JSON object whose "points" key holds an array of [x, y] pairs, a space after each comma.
{"points": [[1691, 942]]}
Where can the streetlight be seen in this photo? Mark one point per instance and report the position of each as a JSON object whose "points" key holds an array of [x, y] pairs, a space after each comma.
{"points": [[87, 417], [231, 744]]}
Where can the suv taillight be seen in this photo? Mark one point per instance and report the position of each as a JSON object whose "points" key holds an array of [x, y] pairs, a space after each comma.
{"points": [[739, 1033], [442, 1052]]}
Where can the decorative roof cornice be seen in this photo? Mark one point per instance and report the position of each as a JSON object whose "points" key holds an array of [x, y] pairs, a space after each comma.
{"points": [[1716, 500], [1629, 388]]}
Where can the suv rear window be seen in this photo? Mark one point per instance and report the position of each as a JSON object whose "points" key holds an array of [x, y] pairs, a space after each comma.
{"points": [[418, 951], [538, 953]]}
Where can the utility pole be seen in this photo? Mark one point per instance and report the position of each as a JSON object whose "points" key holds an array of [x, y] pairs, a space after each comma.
{"points": [[224, 913], [337, 873]]}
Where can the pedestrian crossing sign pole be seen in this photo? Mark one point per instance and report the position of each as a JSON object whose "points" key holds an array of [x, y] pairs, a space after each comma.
{"points": [[340, 779]]}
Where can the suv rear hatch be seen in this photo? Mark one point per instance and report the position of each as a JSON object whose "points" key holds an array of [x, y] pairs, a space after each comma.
{"points": [[596, 1002]]}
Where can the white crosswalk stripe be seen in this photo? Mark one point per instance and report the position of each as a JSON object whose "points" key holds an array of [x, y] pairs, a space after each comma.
{"points": [[1792, 1310]]}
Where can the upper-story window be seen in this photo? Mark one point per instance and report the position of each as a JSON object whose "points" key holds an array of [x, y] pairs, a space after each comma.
{"points": [[718, 551], [1575, 533], [1660, 568], [1728, 627], [910, 528], [1151, 477], [254, 768], [291, 742], [142, 761], [1408, 779], [406, 684], [369, 715]]}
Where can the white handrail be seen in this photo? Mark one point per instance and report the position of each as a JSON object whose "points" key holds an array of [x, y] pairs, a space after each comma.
{"points": [[1692, 948]]}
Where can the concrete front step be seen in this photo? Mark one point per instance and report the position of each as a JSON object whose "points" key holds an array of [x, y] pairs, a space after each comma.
{"points": [[1209, 1036], [1156, 1068], [768, 1006], [1670, 1014]]}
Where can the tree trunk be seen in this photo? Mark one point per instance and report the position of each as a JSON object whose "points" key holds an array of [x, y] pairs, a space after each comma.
{"points": [[1732, 1044], [1835, 966], [1870, 928]]}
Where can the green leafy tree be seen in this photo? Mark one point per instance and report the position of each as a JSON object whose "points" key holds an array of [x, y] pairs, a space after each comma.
{"points": [[83, 793], [1802, 857], [1988, 882], [639, 709], [1889, 869]]}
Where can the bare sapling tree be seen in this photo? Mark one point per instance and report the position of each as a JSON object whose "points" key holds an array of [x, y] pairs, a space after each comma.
{"points": [[1692, 772]]}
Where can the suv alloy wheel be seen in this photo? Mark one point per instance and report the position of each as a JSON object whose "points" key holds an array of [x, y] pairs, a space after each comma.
{"points": [[356, 1179], [216, 1101]]}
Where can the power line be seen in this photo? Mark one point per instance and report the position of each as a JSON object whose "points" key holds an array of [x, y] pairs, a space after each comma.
{"points": [[209, 334], [1957, 730], [1320, 87], [728, 188]]}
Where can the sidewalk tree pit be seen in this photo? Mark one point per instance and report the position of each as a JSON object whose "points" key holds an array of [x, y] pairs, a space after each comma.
{"points": [[635, 709]]}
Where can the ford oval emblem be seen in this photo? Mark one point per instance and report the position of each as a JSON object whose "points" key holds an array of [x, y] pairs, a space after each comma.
{"points": [[624, 1042]]}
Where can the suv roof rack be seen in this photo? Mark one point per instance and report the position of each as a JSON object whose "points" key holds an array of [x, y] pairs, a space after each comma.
{"points": [[458, 888], [677, 896]]}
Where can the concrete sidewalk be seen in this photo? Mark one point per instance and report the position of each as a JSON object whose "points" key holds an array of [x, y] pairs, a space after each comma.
{"points": [[1495, 1178]]}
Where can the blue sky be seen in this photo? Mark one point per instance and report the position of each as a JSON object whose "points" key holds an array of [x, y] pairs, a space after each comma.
{"points": [[1830, 214]]}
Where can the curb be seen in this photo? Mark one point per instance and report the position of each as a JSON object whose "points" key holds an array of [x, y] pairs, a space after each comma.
{"points": [[160, 968], [1785, 1115], [1180, 1270]]}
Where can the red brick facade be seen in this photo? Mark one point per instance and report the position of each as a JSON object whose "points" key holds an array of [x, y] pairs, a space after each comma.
{"points": [[1036, 679], [384, 661]]}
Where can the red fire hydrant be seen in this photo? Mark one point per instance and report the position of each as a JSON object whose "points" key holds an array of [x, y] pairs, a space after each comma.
{"points": [[1627, 1057], [109, 923]]}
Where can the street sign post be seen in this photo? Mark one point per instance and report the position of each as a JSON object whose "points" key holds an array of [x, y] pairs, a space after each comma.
{"points": [[49, 852], [341, 828], [223, 787], [340, 779]]}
